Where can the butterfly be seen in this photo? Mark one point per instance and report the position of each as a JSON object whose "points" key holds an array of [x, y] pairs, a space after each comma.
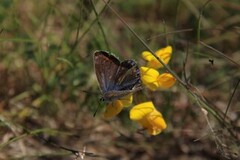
{"points": [[116, 79]]}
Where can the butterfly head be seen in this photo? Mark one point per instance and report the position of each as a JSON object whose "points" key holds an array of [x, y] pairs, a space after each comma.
{"points": [[112, 95]]}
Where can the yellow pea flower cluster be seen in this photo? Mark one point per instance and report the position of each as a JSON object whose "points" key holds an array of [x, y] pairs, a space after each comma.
{"points": [[145, 113], [149, 74]]}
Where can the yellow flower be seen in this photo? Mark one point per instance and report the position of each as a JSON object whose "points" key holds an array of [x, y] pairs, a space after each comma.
{"points": [[164, 54], [147, 115], [116, 106], [153, 80]]}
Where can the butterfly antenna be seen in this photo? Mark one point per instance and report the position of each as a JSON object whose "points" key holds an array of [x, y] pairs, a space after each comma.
{"points": [[97, 109]]}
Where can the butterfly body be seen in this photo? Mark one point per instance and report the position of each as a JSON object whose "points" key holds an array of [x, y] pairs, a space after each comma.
{"points": [[116, 79]]}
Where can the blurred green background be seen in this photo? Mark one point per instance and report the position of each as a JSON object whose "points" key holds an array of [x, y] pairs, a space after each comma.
{"points": [[48, 86]]}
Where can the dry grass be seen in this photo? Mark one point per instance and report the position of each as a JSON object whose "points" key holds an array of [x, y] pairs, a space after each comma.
{"points": [[46, 63]]}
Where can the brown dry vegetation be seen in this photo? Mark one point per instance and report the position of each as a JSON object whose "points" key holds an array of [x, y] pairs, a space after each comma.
{"points": [[46, 52]]}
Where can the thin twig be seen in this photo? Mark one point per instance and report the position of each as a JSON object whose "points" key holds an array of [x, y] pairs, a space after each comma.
{"points": [[100, 26], [184, 66], [200, 18], [77, 153], [220, 53], [87, 30], [171, 32], [1, 30], [230, 100]]}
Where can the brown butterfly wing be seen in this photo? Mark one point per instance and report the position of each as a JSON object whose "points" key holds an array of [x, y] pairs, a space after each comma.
{"points": [[116, 79], [128, 76], [106, 67]]}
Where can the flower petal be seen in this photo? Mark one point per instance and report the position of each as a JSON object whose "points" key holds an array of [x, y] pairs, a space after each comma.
{"points": [[153, 122], [147, 55], [149, 77], [164, 54], [141, 110], [150, 73], [113, 109], [148, 117], [157, 120], [126, 100], [166, 80]]}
